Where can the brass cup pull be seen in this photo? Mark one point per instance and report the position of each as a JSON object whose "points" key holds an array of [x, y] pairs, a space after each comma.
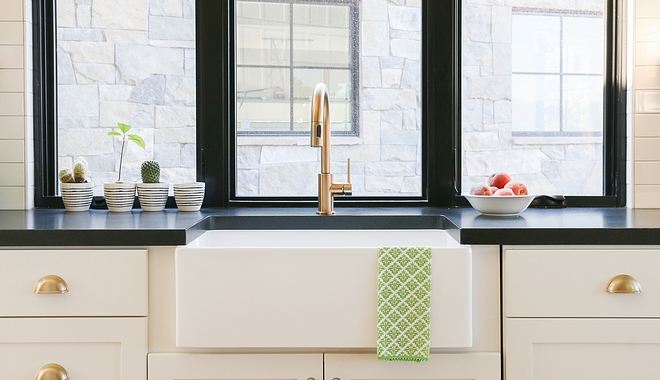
{"points": [[51, 284], [52, 371], [624, 283]]}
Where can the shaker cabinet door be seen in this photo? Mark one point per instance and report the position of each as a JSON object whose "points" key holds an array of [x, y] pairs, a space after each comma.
{"points": [[578, 349], [467, 366]]}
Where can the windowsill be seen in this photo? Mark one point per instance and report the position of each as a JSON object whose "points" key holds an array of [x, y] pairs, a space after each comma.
{"points": [[294, 141], [556, 140]]}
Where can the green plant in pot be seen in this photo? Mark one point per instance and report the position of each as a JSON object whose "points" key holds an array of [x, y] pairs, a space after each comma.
{"points": [[76, 189], [152, 192], [119, 196]]}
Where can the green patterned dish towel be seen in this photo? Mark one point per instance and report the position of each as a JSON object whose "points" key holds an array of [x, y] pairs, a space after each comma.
{"points": [[404, 303]]}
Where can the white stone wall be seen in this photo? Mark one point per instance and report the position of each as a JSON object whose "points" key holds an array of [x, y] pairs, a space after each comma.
{"points": [[129, 61], [548, 165], [386, 156]]}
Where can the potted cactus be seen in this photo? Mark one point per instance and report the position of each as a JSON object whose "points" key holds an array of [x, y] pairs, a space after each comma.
{"points": [[151, 192], [76, 189], [119, 196]]}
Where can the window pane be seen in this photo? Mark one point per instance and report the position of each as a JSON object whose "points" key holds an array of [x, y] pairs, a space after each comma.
{"points": [[583, 45], [262, 99], [535, 103], [129, 62], [262, 34], [533, 94], [368, 54], [535, 43], [583, 103], [322, 35]]}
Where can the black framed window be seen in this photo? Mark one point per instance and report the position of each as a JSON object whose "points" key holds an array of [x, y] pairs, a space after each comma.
{"points": [[216, 120]]}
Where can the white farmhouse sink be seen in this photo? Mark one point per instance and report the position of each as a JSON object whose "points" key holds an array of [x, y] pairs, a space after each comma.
{"points": [[308, 288]]}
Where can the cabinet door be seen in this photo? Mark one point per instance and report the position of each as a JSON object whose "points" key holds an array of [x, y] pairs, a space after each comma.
{"points": [[87, 348], [578, 349], [468, 366], [235, 366]]}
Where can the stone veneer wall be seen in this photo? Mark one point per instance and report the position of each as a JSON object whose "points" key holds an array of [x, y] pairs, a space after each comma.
{"points": [[548, 165], [129, 61], [386, 156]]}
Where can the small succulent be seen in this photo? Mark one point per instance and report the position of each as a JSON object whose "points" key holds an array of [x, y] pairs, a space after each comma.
{"points": [[150, 171], [78, 175]]}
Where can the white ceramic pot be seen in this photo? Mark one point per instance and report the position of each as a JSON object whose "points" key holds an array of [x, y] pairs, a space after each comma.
{"points": [[119, 196], [153, 196], [77, 196], [189, 196]]}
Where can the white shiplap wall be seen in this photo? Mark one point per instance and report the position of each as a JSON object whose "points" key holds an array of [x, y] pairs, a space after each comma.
{"points": [[646, 104], [16, 152]]}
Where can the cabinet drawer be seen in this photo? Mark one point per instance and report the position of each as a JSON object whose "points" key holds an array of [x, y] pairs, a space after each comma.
{"points": [[99, 282], [87, 348], [236, 366], [573, 283]]}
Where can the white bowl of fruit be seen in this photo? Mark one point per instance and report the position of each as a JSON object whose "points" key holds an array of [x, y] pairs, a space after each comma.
{"points": [[501, 196]]}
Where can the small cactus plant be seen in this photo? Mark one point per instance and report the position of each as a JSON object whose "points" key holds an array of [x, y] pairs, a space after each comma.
{"points": [[78, 175], [150, 171]]}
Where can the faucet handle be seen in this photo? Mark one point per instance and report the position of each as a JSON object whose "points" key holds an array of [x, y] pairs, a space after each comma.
{"points": [[348, 176]]}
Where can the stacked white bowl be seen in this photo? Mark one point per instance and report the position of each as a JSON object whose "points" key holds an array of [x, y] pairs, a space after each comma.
{"points": [[189, 196]]}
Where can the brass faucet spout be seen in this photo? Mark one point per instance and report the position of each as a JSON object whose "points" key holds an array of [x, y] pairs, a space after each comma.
{"points": [[320, 137]]}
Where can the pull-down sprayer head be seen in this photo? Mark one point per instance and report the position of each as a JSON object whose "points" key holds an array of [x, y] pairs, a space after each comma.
{"points": [[320, 115]]}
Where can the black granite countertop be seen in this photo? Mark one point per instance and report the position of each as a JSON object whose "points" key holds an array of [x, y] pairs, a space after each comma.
{"points": [[535, 226]]}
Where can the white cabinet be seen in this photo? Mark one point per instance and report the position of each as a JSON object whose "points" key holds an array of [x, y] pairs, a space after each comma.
{"points": [[562, 323], [235, 366], [320, 366], [584, 348], [87, 348], [91, 320], [483, 366]]}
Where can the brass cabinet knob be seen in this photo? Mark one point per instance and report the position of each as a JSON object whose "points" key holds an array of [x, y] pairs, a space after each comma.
{"points": [[51, 284], [52, 371], [624, 283]]}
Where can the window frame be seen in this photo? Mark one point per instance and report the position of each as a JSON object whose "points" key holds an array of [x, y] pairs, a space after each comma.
{"points": [[441, 111], [560, 74], [353, 70]]}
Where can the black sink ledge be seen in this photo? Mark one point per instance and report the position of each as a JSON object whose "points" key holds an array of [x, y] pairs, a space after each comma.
{"points": [[535, 226]]}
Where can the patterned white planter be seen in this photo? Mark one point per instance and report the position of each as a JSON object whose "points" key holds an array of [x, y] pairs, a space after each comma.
{"points": [[77, 196], [119, 196], [153, 196], [189, 196]]}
